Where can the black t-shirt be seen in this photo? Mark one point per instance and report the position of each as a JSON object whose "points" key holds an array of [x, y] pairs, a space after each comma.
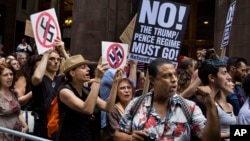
{"points": [[76, 125], [43, 95]]}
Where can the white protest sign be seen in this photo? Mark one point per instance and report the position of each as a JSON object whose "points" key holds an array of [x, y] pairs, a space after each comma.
{"points": [[46, 29], [115, 54], [228, 24], [159, 31]]}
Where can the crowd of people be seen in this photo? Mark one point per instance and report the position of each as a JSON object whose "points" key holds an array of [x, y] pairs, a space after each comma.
{"points": [[197, 100]]}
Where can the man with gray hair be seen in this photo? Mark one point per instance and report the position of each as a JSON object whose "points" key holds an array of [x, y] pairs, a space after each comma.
{"points": [[22, 57]]}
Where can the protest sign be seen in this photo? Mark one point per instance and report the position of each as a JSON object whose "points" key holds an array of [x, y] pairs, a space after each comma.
{"points": [[228, 24], [46, 29], [28, 29], [159, 30], [115, 54], [127, 34]]}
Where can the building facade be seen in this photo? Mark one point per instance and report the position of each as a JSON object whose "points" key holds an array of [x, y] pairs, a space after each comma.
{"points": [[97, 20]]}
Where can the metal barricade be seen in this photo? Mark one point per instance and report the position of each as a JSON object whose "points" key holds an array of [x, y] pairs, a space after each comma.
{"points": [[22, 135]]}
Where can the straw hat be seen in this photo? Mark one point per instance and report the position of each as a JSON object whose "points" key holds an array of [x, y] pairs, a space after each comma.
{"points": [[75, 61]]}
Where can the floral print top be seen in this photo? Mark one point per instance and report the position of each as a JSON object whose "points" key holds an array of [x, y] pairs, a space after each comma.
{"points": [[173, 127], [9, 112]]}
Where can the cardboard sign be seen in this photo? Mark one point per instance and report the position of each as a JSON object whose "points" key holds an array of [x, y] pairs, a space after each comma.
{"points": [[28, 29], [127, 34], [46, 29], [159, 30], [115, 54]]}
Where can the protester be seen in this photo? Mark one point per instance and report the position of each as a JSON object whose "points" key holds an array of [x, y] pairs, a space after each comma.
{"points": [[10, 110], [15, 64], [244, 113], [45, 83], [106, 84], [160, 115], [215, 70], [188, 64], [24, 47], [22, 58], [140, 80], [225, 111], [22, 86], [125, 91], [237, 68], [77, 104], [184, 80], [10, 57]]}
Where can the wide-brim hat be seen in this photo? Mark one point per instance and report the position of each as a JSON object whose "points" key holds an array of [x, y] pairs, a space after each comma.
{"points": [[75, 61]]}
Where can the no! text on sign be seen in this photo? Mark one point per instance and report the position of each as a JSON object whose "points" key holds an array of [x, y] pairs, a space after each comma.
{"points": [[46, 29]]}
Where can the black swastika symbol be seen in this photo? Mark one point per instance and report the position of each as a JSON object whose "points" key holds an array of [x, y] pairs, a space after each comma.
{"points": [[47, 26], [116, 56]]}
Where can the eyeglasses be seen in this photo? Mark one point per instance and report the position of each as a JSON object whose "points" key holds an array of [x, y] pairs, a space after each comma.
{"points": [[125, 87]]}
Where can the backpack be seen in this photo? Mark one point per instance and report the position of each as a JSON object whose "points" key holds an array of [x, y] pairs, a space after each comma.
{"points": [[54, 123], [184, 106]]}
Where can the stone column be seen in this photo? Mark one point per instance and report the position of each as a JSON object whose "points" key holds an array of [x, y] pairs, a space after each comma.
{"points": [[95, 21], [239, 37]]}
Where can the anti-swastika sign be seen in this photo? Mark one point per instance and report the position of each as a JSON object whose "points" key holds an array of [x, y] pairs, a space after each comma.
{"points": [[115, 54], [46, 28]]}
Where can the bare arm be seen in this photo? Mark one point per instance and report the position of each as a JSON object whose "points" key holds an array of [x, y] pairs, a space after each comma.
{"points": [[122, 136], [225, 135], [87, 106], [23, 100], [108, 106], [132, 70], [40, 69], [59, 44], [75, 103], [20, 85], [23, 123], [190, 90], [137, 135], [212, 128]]}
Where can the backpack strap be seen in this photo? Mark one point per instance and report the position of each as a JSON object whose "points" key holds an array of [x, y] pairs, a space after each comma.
{"points": [[137, 104], [186, 110], [184, 106], [63, 115]]}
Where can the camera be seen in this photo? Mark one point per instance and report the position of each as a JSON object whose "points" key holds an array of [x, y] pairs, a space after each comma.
{"points": [[150, 137]]}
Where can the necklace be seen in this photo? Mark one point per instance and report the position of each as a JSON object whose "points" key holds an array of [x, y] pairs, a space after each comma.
{"points": [[53, 84]]}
